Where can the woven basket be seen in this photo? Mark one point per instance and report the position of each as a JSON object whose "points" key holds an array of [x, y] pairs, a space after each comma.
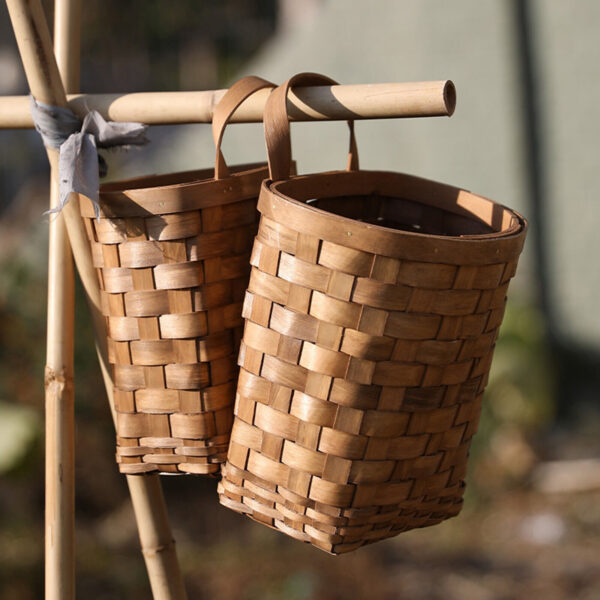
{"points": [[172, 254], [372, 311]]}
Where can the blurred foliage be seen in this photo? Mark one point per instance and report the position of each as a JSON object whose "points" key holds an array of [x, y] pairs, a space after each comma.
{"points": [[190, 45], [20, 428], [520, 390], [519, 404], [22, 327], [521, 387]]}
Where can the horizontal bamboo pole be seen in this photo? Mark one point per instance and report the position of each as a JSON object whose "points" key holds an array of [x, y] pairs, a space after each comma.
{"points": [[319, 103]]}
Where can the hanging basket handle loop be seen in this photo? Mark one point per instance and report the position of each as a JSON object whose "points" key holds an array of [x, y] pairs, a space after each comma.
{"points": [[234, 96], [277, 126]]}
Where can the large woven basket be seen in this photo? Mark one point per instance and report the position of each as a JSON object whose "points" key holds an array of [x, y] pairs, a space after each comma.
{"points": [[172, 255], [373, 306]]}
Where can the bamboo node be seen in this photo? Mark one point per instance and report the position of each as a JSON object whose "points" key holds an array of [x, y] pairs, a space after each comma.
{"points": [[60, 379], [153, 551]]}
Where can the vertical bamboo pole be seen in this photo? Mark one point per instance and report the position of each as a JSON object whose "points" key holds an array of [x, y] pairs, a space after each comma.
{"points": [[35, 47], [60, 425], [60, 467], [60, 422]]}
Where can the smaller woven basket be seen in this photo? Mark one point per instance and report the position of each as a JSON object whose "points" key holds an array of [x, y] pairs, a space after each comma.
{"points": [[372, 311], [172, 256]]}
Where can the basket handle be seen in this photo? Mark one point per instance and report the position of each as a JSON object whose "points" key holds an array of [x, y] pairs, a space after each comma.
{"points": [[228, 104], [277, 126]]}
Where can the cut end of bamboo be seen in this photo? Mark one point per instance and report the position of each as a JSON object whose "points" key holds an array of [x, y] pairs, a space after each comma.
{"points": [[450, 97]]}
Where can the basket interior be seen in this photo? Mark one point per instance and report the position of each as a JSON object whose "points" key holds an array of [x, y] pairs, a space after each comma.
{"points": [[402, 214]]}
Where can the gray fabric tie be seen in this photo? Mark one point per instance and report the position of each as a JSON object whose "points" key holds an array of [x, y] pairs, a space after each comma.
{"points": [[78, 143]]}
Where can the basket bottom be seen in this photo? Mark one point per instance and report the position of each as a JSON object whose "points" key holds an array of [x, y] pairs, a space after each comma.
{"points": [[172, 456], [316, 524]]}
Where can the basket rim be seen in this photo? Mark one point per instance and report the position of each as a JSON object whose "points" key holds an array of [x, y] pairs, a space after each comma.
{"points": [[276, 199], [518, 223], [204, 175], [127, 198]]}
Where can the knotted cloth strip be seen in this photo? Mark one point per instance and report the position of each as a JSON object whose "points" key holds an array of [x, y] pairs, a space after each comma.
{"points": [[78, 143]]}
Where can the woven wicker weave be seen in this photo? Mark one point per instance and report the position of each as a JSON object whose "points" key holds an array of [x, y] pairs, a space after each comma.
{"points": [[172, 256], [373, 306]]}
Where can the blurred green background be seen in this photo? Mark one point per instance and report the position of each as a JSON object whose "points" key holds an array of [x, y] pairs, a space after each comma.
{"points": [[531, 520]]}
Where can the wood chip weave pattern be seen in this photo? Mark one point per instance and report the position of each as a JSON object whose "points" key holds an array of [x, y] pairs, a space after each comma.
{"points": [[172, 256], [371, 315]]}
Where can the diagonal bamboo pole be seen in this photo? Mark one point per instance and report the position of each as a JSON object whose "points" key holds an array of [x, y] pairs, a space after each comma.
{"points": [[35, 47], [60, 426]]}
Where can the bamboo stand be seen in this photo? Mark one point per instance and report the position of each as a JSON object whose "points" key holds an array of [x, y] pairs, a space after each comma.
{"points": [[395, 100]]}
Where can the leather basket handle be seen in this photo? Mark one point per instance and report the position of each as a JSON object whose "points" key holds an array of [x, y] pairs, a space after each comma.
{"points": [[277, 126], [234, 96]]}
